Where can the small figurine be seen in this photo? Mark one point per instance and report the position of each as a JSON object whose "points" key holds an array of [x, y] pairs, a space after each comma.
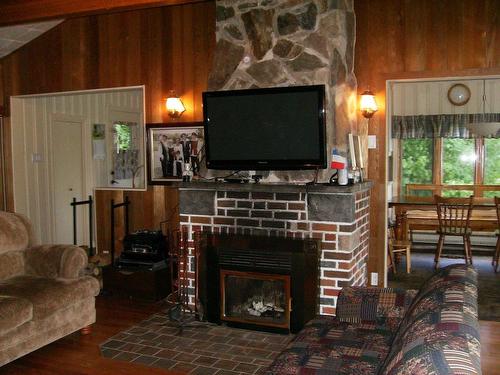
{"points": [[187, 174]]}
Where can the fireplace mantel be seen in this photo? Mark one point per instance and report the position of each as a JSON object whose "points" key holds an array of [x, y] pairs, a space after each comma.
{"points": [[337, 216], [273, 187]]}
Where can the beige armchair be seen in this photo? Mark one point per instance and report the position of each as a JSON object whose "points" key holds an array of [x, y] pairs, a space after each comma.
{"points": [[43, 293]]}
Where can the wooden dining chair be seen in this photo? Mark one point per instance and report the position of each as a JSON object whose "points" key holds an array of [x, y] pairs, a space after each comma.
{"points": [[496, 255], [454, 220], [396, 247]]}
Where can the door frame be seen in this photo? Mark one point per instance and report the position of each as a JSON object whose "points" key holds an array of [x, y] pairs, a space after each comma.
{"points": [[390, 79]]}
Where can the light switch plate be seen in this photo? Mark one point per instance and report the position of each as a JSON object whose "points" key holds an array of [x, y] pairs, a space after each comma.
{"points": [[372, 141], [374, 278], [36, 158]]}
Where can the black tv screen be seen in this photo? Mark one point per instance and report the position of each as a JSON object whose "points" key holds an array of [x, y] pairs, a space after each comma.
{"points": [[265, 129]]}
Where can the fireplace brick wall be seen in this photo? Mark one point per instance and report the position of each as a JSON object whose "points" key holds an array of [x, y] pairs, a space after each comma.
{"points": [[338, 216]]}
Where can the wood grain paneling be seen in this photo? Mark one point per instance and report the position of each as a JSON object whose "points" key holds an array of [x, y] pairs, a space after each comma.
{"points": [[162, 48], [416, 39], [14, 11]]}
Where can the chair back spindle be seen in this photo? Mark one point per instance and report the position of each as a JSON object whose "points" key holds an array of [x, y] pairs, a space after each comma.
{"points": [[454, 214]]}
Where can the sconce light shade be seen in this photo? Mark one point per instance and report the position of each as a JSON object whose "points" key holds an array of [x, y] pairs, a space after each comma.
{"points": [[174, 105], [368, 104]]}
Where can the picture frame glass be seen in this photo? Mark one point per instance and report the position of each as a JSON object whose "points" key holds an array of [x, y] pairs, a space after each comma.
{"points": [[174, 151]]}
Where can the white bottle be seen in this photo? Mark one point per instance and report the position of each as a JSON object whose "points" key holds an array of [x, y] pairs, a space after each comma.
{"points": [[342, 177]]}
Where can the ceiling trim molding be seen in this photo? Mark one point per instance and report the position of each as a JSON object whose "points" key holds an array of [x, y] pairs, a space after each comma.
{"points": [[16, 12]]}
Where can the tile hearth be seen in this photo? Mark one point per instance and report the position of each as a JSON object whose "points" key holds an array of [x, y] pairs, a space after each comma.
{"points": [[207, 350]]}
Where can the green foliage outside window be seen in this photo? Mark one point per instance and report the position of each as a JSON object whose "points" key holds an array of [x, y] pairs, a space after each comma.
{"points": [[416, 163], [458, 165], [492, 164], [123, 137]]}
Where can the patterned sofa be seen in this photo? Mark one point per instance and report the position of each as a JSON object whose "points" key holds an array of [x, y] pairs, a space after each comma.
{"points": [[43, 295], [393, 331]]}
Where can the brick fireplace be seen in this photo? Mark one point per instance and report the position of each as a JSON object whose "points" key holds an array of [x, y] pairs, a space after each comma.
{"points": [[337, 216]]}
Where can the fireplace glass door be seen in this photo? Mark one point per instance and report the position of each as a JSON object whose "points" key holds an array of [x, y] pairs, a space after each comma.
{"points": [[255, 298]]}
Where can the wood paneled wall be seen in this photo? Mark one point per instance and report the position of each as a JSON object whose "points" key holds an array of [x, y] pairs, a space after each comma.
{"points": [[417, 39], [163, 48]]}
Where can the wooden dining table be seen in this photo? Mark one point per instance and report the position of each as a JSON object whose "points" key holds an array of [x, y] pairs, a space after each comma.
{"points": [[420, 213]]}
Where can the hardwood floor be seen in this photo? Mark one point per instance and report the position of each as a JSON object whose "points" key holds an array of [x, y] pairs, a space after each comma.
{"points": [[490, 347], [76, 354]]}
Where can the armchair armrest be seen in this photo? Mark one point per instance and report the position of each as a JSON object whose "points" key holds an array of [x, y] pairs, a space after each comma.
{"points": [[377, 305], [56, 261]]}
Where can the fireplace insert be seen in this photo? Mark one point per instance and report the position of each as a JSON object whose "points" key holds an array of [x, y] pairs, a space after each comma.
{"points": [[257, 298], [267, 283]]}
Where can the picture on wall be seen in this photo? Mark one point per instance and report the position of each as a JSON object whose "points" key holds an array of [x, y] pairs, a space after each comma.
{"points": [[173, 149]]}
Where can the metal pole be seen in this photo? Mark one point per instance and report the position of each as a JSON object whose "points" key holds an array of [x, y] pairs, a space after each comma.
{"points": [[112, 232], [91, 224], [126, 215], [2, 160], [74, 220]]}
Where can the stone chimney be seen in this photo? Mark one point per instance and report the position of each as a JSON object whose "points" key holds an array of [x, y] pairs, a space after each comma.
{"points": [[271, 43]]}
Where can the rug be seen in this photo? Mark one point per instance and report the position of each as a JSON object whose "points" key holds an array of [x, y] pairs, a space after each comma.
{"points": [[422, 267], [203, 350]]}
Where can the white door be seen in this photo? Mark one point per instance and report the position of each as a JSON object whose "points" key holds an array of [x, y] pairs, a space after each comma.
{"points": [[68, 181]]}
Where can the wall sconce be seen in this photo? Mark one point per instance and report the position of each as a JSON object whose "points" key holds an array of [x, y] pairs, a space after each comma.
{"points": [[368, 105], [174, 105]]}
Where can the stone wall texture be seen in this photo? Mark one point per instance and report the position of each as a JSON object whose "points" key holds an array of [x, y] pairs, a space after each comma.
{"points": [[272, 43], [343, 229]]}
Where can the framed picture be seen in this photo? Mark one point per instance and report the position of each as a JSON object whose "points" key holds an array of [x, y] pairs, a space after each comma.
{"points": [[173, 150], [357, 161], [358, 152]]}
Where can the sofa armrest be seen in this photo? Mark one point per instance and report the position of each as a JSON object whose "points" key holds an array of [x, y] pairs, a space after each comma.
{"points": [[56, 261], [362, 304]]}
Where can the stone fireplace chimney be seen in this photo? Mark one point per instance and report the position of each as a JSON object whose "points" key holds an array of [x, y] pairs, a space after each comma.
{"points": [[270, 43]]}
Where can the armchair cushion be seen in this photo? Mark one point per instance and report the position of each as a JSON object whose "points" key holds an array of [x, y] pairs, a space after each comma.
{"points": [[13, 313], [49, 295], [64, 261], [11, 264], [15, 232]]}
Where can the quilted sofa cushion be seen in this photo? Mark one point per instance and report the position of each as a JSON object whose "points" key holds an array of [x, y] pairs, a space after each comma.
{"points": [[327, 346], [440, 333], [14, 312], [49, 295], [384, 306]]}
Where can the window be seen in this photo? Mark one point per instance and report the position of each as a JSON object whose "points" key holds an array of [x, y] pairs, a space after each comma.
{"points": [[451, 161], [126, 156], [492, 164], [417, 155], [458, 164], [122, 136]]}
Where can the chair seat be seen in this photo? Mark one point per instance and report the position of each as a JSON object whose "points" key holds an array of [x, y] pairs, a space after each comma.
{"points": [[48, 295], [400, 243], [14, 312]]}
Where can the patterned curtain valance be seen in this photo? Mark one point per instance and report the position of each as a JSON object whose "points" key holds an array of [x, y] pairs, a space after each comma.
{"points": [[441, 126]]}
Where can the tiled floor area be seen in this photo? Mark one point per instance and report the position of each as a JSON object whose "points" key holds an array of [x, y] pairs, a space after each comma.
{"points": [[204, 350]]}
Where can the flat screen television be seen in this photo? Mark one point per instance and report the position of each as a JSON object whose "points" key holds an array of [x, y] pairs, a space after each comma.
{"points": [[265, 129]]}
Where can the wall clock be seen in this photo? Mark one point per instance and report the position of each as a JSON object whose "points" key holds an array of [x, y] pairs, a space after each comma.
{"points": [[458, 94]]}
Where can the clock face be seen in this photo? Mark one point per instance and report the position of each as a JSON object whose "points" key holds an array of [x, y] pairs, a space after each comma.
{"points": [[458, 94]]}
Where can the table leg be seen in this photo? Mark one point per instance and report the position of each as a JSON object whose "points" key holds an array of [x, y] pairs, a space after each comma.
{"points": [[401, 224]]}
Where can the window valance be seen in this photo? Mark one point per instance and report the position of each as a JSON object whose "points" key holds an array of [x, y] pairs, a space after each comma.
{"points": [[442, 126]]}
